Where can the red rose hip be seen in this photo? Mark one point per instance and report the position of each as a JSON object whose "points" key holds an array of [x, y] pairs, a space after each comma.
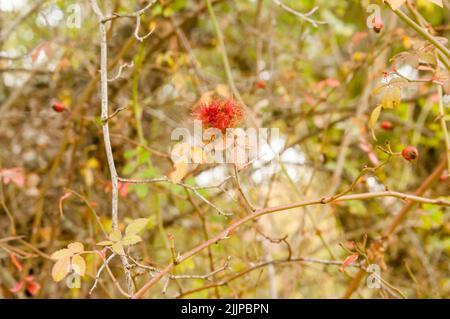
{"points": [[386, 125], [58, 107], [377, 24], [410, 153]]}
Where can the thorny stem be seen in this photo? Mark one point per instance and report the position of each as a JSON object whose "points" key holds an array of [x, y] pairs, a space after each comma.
{"points": [[423, 32], [261, 212], [106, 136]]}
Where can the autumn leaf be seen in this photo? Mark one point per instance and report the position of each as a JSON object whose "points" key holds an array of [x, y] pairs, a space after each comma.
{"points": [[79, 265], [75, 247], [15, 262], [105, 243], [118, 248], [349, 260], [60, 269], [14, 175], [131, 240], [136, 226], [181, 169], [62, 253], [115, 235]]}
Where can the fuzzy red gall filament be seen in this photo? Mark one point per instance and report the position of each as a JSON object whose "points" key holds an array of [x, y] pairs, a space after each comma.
{"points": [[377, 24], [410, 153], [386, 125], [58, 107], [220, 114]]}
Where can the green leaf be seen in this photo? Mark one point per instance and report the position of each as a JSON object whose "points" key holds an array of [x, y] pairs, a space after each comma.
{"points": [[129, 168], [136, 226], [143, 156], [130, 153], [141, 190], [131, 240]]}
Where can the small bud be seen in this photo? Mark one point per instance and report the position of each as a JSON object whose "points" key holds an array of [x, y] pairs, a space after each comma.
{"points": [[58, 107], [377, 24], [410, 153], [386, 125]]}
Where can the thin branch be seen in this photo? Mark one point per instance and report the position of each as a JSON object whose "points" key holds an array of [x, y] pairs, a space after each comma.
{"points": [[304, 16], [106, 137], [121, 68], [261, 212]]}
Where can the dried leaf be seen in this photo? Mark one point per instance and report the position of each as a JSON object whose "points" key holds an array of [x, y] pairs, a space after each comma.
{"points": [[62, 253], [76, 247], [181, 169], [79, 265], [374, 116], [349, 260], [60, 269]]}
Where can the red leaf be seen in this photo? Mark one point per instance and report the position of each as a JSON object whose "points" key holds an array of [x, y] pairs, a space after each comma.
{"points": [[15, 262], [18, 287], [14, 175], [33, 288], [349, 260]]}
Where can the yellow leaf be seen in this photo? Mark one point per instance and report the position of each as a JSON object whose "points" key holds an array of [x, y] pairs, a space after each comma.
{"points": [[373, 120], [136, 226], [60, 269], [118, 249], [105, 243], [78, 265], [391, 97], [76, 247], [131, 240], [115, 235], [92, 163], [181, 169], [62, 253]]}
